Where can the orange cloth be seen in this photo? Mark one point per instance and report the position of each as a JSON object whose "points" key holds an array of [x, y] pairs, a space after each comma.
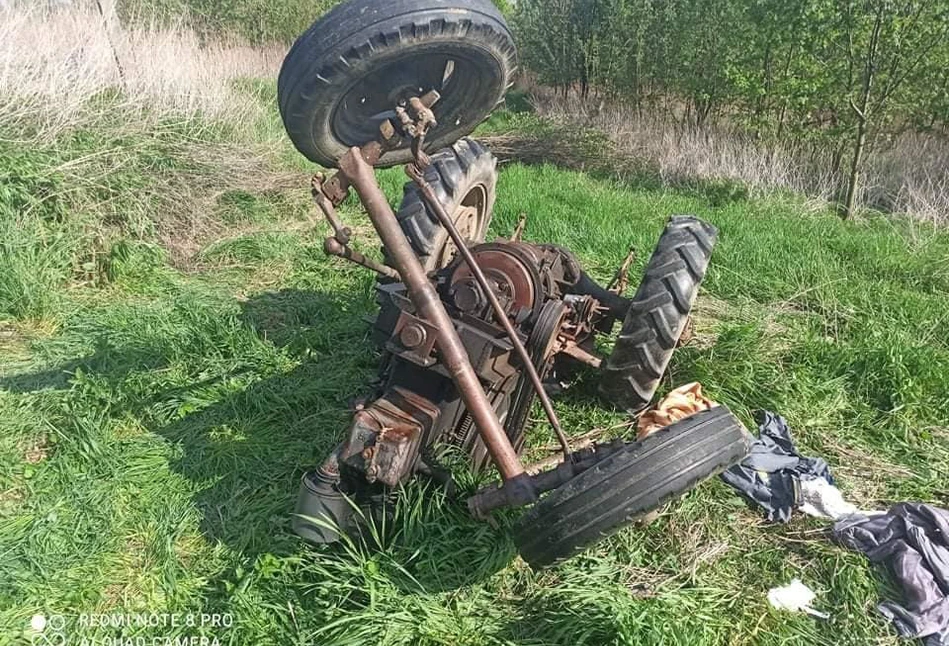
{"points": [[680, 403]]}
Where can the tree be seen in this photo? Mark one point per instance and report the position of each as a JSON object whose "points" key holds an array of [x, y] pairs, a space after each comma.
{"points": [[851, 74], [886, 45]]}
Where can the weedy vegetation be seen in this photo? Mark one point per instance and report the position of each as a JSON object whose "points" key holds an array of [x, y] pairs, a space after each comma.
{"points": [[175, 351], [845, 95]]}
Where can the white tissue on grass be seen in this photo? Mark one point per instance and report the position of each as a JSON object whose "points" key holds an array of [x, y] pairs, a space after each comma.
{"points": [[824, 500], [795, 597]]}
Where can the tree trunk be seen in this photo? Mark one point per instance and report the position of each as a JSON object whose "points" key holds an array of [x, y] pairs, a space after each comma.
{"points": [[113, 31], [853, 182], [869, 71], [637, 78], [786, 99]]}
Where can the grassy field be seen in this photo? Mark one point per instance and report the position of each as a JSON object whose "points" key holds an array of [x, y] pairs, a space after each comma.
{"points": [[175, 351]]}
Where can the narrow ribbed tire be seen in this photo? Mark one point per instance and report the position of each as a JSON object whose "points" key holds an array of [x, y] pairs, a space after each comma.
{"points": [[464, 178], [347, 72], [629, 484], [659, 313]]}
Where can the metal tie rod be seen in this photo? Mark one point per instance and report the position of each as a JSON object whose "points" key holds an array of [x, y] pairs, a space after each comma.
{"points": [[414, 172]]}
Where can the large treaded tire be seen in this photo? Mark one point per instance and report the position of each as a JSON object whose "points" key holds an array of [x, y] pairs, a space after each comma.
{"points": [[659, 313], [363, 56], [630, 484], [466, 170]]}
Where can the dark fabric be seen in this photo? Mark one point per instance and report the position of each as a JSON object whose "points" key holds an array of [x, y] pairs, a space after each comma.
{"points": [[912, 541], [768, 476]]}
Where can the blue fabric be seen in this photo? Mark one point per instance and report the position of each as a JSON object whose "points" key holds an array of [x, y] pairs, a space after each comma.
{"points": [[768, 476], [912, 541]]}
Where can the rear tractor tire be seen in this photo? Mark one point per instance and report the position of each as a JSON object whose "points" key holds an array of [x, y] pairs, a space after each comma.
{"points": [[464, 178], [659, 313]]}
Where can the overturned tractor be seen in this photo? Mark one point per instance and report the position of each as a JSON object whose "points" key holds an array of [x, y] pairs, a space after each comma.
{"points": [[471, 331]]}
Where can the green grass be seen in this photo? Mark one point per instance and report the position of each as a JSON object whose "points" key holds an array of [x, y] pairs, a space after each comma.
{"points": [[258, 21], [156, 415]]}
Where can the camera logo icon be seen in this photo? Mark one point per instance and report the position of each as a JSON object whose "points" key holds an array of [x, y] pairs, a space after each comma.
{"points": [[47, 631]]}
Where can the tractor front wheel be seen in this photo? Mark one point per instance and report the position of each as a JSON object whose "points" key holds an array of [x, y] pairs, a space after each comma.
{"points": [[629, 484]]}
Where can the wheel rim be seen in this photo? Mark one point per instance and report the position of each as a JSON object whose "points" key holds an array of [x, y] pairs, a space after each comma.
{"points": [[469, 218], [370, 100]]}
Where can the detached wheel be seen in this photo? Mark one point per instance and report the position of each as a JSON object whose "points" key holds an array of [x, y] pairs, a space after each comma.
{"points": [[345, 75], [464, 178], [659, 313], [629, 484]]}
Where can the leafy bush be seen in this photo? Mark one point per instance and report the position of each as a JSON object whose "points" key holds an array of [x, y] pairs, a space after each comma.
{"points": [[259, 21]]}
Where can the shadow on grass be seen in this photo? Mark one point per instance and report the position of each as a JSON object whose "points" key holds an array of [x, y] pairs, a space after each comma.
{"points": [[246, 453], [244, 428], [545, 619], [255, 427], [106, 359], [430, 543]]}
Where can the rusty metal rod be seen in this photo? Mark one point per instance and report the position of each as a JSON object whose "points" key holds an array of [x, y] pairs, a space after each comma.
{"points": [[418, 177], [621, 277], [423, 295], [491, 498], [341, 232], [333, 247]]}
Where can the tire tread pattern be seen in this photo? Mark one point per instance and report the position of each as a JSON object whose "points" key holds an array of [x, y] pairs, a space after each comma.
{"points": [[356, 32], [659, 312], [629, 484], [452, 174]]}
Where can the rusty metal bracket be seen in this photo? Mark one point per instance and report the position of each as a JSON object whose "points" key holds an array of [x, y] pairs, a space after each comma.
{"points": [[333, 247], [488, 499], [318, 185], [621, 278], [571, 349], [416, 338], [416, 119], [413, 121]]}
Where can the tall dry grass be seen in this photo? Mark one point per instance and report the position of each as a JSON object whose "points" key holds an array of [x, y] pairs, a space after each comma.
{"points": [[151, 162], [57, 60], [910, 177]]}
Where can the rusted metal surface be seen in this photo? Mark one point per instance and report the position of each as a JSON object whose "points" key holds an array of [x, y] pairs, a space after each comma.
{"points": [[333, 247], [385, 436], [416, 337], [336, 188], [621, 279], [429, 306], [486, 500], [467, 323], [417, 117], [571, 349], [513, 275], [318, 188], [418, 176]]}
